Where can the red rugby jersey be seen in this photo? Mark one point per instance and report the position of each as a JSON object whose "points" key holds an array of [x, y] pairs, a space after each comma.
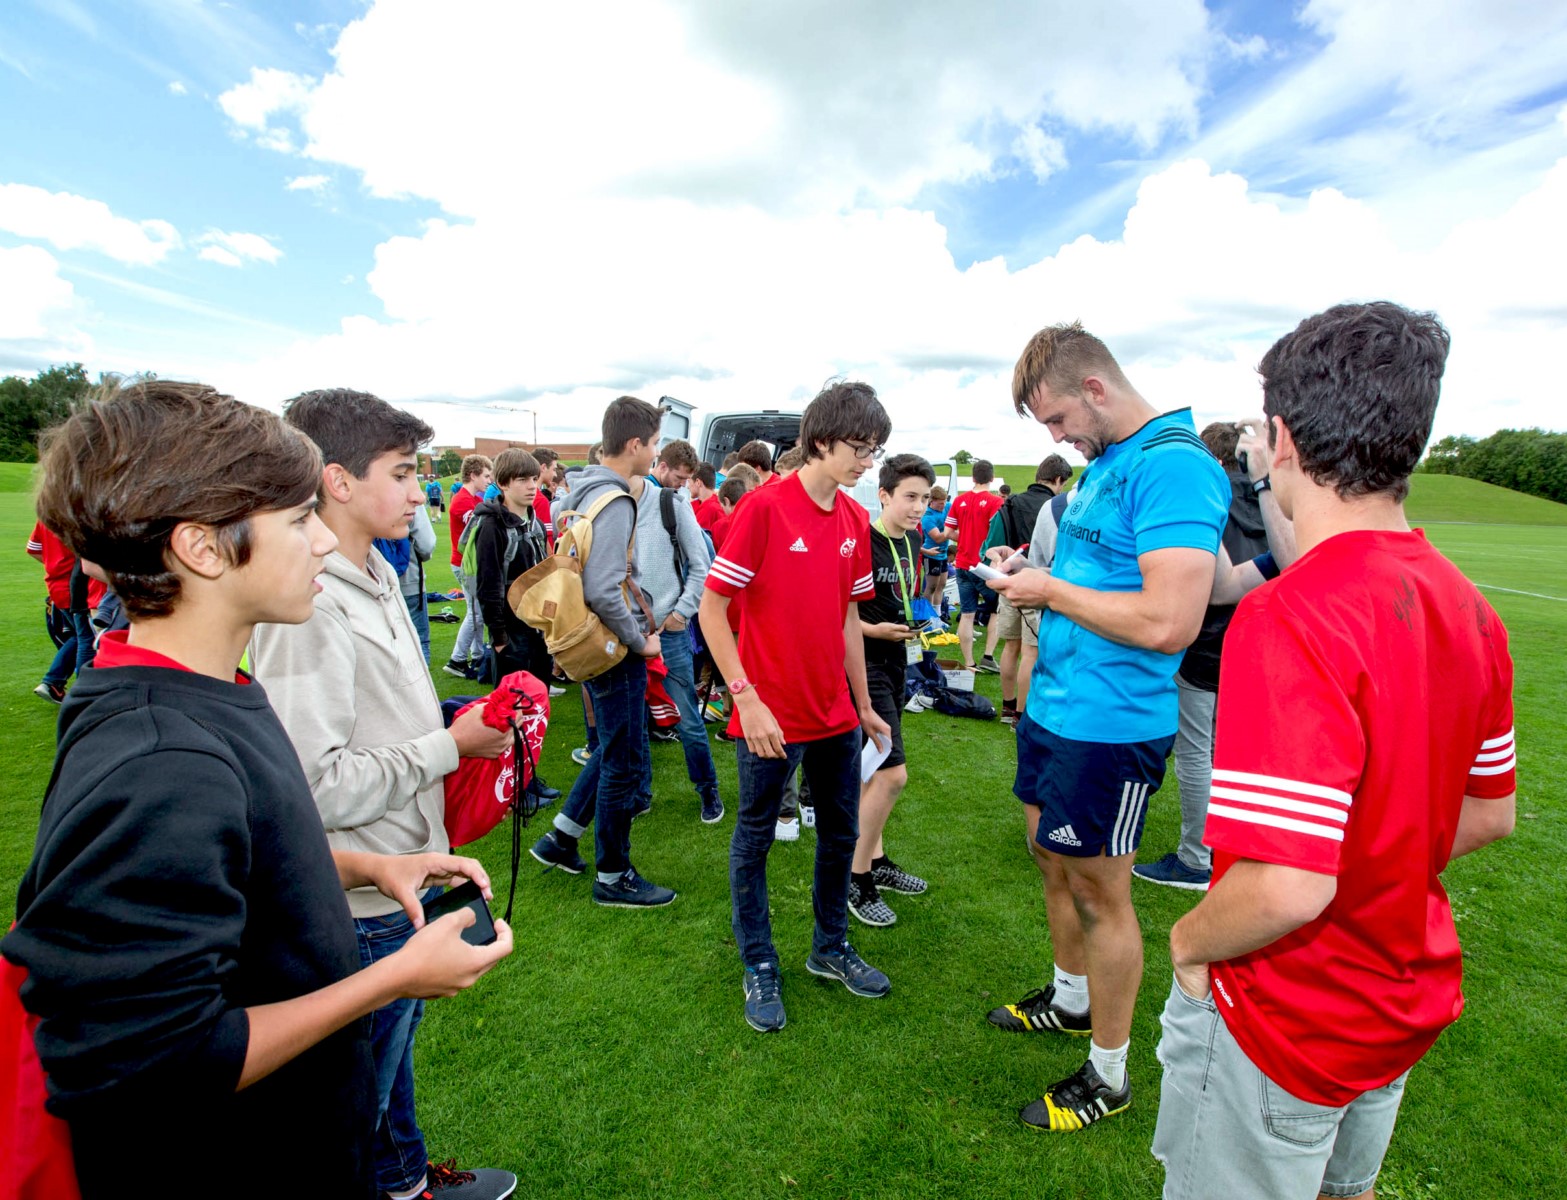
{"points": [[970, 515], [1362, 695], [457, 514], [798, 566]]}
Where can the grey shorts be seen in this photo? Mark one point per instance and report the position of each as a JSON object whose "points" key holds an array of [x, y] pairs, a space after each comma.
{"points": [[1226, 1129]]}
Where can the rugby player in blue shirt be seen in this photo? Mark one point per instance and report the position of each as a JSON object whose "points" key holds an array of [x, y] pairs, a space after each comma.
{"points": [[1125, 596]]}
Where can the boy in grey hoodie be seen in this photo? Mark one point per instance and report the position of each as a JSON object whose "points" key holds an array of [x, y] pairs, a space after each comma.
{"points": [[355, 696], [606, 790]]}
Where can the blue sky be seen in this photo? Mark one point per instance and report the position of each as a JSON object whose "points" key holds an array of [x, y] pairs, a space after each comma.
{"points": [[480, 206]]}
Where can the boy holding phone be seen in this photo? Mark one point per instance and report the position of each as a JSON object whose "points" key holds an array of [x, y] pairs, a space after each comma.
{"points": [[190, 953]]}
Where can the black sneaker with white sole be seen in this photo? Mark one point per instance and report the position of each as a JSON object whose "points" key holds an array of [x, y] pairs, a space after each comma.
{"points": [[1038, 1012], [712, 809], [552, 854], [1077, 1102], [868, 907], [764, 1010], [848, 968], [890, 877], [630, 890]]}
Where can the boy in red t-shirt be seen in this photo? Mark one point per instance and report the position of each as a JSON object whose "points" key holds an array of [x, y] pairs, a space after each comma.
{"points": [[72, 597], [799, 552], [969, 520], [1365, 739]]}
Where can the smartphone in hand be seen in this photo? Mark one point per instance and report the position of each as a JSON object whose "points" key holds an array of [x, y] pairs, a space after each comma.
{"points": [[468, 895]]}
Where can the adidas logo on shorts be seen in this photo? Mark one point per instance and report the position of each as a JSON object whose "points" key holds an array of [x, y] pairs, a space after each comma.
{"points": [[799, 546], [1065, 835]]}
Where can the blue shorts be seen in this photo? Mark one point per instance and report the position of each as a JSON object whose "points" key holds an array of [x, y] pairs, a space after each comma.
{"points": [[973, 594], [1092, 796]]}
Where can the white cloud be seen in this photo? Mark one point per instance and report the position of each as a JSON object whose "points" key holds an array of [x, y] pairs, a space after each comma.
{"points": [[177, 88], [34, 295], [1042, 154], [268, 93], [308, 183], [776, 106], [235, 249], [70, 222]]}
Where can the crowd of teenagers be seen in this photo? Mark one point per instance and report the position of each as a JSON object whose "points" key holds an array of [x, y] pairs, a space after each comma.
{"points": [[222, 927]]}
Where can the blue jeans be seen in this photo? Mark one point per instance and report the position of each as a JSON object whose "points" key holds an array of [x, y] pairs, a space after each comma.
{"points": [[681, 686], [419, 610], [470, 633], [75, 653], [606, 788], [832, 768], [400, 1159]]}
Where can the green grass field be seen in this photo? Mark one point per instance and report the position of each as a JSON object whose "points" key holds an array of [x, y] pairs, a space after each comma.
{"points": [[609, 1055]]}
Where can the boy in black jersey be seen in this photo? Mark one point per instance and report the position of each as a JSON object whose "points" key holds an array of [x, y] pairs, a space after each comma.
{"points": [[891, 643], [191, 961]]}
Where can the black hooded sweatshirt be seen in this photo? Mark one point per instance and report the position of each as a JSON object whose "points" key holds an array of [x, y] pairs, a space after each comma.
{"points": [[181, 875]]}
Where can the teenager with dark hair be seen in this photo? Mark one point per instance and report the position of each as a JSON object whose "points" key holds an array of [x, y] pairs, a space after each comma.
{"points": [[360, 708], [799, 554], [1134, 566], [759, 457], [605, 793], [509, 542], [1365, 740], [891, 643], [190, 956]]}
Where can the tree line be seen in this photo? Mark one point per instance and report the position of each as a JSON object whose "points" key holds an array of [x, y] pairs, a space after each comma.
{"points": [[29, 406], [1527, 460]]}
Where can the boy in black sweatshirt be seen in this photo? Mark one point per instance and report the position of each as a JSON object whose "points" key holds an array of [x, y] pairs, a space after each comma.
{"points": [[508, 541], [191, 959]]}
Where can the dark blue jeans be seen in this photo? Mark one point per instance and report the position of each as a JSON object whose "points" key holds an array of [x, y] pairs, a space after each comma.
{"points": [[681, 686], [605, 791], [400, 1158], [832, 768]]}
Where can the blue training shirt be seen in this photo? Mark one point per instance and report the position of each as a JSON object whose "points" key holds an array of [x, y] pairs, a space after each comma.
{"points": [[1158, 489]]}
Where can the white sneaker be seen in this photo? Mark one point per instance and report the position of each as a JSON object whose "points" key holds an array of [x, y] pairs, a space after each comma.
{"points": [[788, 831], [557, 691], [807, 816]]}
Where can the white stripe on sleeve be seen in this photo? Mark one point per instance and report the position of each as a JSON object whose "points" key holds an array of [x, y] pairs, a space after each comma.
{"points": [[1289, 823]]}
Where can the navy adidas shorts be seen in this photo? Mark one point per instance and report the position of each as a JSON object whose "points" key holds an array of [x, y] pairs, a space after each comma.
{"points": [[1092, 796]]}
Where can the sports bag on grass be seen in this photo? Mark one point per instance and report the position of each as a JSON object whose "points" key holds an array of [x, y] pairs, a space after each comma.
{"points": [[549, 597]]}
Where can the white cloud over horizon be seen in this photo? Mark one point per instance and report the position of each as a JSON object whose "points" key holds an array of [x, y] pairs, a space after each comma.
{"points": [[70, 222], [732, 204]]}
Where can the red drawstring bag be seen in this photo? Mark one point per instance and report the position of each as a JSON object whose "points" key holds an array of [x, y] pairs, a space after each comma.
{"points": [[35, 1145], [661, 705], [481, 791]]}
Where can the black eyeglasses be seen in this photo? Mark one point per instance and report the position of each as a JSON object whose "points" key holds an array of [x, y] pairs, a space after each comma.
{"points": [[861, 450]]}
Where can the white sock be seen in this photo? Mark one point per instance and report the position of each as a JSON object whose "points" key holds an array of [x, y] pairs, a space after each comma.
{"points": [[1071, 992], [1111, 1064], [410, 1195]]}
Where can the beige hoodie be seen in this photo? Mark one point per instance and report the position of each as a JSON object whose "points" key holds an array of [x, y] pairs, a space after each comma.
{"points": [[354, 693]]}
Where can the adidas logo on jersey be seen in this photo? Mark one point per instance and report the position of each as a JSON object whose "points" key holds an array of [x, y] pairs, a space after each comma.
{"points": [[799, 546], [1065, 836]]}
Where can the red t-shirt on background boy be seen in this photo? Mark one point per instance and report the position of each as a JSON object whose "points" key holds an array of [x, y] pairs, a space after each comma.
{"points": [[970, 515]]}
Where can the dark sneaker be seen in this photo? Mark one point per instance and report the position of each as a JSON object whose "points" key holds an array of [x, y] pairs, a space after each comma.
{"points": [[460, 669], [868, 907], [631, 891], [764, 1010], [1009, 715], [712, 809], [1039, 1011], [660, 734], [445, 1181], [552, 854], [1170, 871], [546, 794], [1077, 1102], [987, 666], [893, 878], [725, 736], [849, 969], [51, 692], [641, 808]]}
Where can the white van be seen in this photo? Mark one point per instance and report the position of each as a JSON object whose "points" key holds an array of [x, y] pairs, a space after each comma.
{"points": [[717, 435]]}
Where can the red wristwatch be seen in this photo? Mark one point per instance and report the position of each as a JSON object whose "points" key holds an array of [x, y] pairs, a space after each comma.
{"points": [[736, 686]]}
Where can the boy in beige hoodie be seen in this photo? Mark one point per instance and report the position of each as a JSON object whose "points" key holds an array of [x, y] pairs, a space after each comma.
{"points": [[355, 696]]}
